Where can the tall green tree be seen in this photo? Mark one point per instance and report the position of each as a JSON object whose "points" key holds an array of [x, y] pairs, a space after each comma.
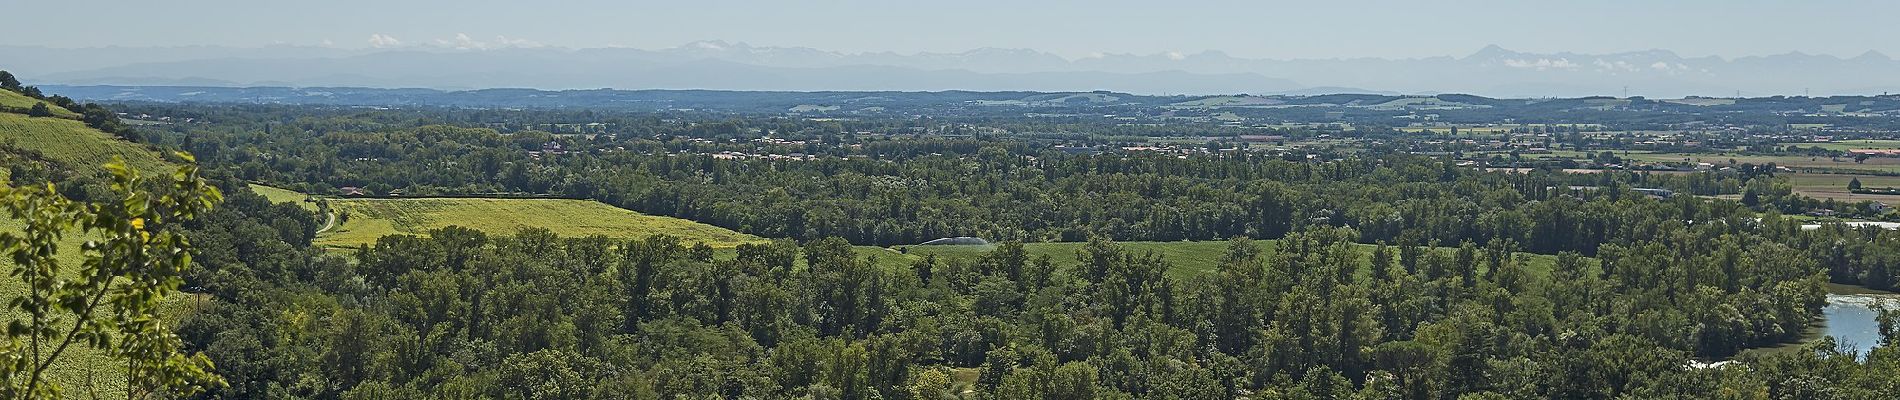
{"points": [[109, 299]]}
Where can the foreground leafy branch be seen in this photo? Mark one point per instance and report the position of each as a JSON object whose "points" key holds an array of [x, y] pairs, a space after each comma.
{"points": [[135, 258]]}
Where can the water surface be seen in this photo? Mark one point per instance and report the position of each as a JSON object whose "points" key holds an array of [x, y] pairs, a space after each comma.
{"points": [[1850, 319]]}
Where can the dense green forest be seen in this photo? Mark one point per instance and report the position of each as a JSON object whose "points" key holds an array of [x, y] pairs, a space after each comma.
{"points": [[1446, 305]]}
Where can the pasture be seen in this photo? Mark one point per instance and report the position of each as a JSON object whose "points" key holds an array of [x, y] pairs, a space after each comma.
{"points": [[280, 195], [1845, 145], [1798, 163], [365, 220], [1832, 186]]}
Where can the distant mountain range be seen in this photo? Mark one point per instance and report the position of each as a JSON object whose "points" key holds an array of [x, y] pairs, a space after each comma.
{"points": [[1492, 71]]}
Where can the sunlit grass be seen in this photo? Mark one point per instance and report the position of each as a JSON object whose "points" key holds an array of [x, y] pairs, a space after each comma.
{"points": [[76, 145], [369, 219]]}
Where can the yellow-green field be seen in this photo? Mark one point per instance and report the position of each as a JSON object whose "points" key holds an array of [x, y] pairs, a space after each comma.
{"points": [[9, 99], [287, 196], [1811, 163], [76, 145], [368, 219], [1830, 186], [1846, 145]]}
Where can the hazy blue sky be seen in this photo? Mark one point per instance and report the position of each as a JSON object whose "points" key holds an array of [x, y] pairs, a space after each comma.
{"points": [[1261, 29]]}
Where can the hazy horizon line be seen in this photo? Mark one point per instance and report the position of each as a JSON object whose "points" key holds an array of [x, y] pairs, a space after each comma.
{"points": [[478, 46]]}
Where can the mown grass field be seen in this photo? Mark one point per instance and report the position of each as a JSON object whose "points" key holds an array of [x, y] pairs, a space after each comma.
{"points": [[1837, 164], [76, 145], [9, 99], [1846, 145], [368, 219], [1832, 186], [280, 195]]}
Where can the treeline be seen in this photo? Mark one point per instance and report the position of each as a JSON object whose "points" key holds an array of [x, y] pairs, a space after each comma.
{"points": [[903, 191], [909, 190], [1446, 305], [461, 314]]}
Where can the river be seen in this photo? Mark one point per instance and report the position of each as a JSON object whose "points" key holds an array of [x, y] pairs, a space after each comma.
{"points": [[1850, 319]]}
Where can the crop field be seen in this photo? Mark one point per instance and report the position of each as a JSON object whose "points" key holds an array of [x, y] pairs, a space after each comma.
{"points": [[9, 99], [1808, 163], [1831, 186], [76, 145], [1845, 145], [367, 219]]}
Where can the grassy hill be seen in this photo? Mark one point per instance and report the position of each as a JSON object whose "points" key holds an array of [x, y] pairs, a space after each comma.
{"points": [[281, 195], [71, 144], [10, 100], [369, 219], [74, 145]]}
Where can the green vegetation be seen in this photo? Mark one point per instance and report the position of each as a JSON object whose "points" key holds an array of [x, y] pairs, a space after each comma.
{"points": [[82, 369], [1533, 283], [1860, 144], [1186, 259], [285, 196], [108, 298], [1797, 162], [74, 145], [19, 103], [365, 220], [1833, 186]]}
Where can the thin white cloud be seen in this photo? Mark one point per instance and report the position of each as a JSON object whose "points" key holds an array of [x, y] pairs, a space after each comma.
{"points": [[1177, 56], [1619, 65], [379, 41], [462, 41], [1541, 64], [504, 41]]}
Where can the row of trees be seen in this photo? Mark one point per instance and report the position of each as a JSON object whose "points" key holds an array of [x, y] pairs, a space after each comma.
{"points": [[462, 314]]}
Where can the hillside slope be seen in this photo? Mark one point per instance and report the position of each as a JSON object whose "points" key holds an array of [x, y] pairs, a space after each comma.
{"points": [[68, 143], [11, 101]]}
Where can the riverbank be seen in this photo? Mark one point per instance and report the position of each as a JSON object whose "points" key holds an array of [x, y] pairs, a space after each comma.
{"points": [[1844, 302]]}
